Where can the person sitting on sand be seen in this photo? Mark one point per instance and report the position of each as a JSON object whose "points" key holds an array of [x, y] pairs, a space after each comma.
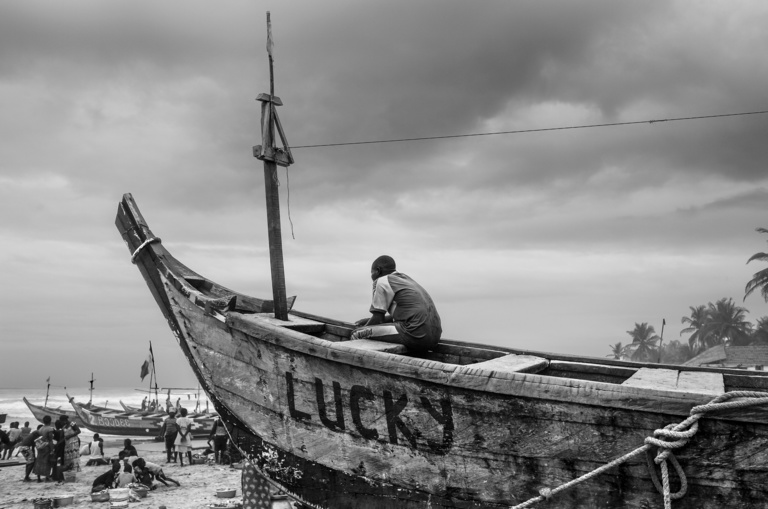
{"points": [[412, 320], [142, 467], [107, 480], [94, 451], [129, 449], [125, 477]]}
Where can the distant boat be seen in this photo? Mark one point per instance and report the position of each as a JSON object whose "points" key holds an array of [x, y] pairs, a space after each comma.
{"points": [[135, 423], [40, 411]]}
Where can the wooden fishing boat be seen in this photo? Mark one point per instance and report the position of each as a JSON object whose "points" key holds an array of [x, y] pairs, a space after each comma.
{"points": [[132, 423], [349, 424], [40, 411], [129, 408]]}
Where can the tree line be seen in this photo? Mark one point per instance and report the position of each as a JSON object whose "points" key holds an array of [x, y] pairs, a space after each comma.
{"points": [[722, 322]]}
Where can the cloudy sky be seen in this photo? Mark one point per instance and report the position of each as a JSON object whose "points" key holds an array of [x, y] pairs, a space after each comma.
{"points": [[555, 241]]}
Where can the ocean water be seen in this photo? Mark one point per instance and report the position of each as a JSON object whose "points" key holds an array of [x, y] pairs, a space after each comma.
{"points": [[11, 401]]}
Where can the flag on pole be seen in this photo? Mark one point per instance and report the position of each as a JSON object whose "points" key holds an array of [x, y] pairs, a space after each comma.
{"points": [[146, 367], [48, 380], [270, 42]]}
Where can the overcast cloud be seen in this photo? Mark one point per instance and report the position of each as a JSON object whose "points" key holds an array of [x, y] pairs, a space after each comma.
{"points": [[555, 241]]}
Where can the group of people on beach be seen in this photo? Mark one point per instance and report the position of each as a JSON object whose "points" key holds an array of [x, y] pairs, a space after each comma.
{"points": [[128, 468], [10, 439], [50, 450], [176, 432]]}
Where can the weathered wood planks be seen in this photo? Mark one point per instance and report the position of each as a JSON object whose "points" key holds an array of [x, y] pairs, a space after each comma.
{"points": [[513, 363], [676, 380]]}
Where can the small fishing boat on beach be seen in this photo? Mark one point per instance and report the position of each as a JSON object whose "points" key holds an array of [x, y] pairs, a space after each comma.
{"points": [[345, 424], [135, 423], [40, 411]]}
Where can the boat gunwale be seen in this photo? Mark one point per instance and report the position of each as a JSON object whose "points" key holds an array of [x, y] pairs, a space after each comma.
{"points": [[490, 381]]}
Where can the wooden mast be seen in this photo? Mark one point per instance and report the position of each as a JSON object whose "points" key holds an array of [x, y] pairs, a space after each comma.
{"points": [[272, 156]]}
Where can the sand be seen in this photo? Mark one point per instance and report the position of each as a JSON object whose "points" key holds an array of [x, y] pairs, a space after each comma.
{"points": [[197, 490]]}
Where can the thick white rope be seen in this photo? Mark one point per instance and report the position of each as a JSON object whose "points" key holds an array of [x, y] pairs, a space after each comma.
{"points": [[680, 433], [142, 246]]}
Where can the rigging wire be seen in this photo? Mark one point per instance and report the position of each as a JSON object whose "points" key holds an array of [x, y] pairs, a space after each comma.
{"points": [[543, 129]]}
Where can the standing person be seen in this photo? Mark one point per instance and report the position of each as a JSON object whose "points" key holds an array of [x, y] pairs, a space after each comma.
{"points": [[71, 457], [412, 320], [144, 404], [58, 451], [184, 437], [168, 432], [14, 437], [25, 431], [27, 450], [4, 441], [219, 437], [44, 447]]}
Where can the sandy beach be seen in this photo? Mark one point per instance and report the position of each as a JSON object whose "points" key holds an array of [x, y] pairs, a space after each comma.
{"points": [[197, 490]]}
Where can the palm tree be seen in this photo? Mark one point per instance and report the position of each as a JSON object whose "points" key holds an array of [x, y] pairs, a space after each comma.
{"points": [[617, 351], [696, 324], [675, 352], [760, 332], [726, 323], [644, 340], [760, 278]]}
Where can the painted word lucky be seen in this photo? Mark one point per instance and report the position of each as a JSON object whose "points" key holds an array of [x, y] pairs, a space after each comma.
{"points": [[393, 407]]}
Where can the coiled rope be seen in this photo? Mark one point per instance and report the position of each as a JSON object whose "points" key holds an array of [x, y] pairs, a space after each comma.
{"points": [[671, 437]]}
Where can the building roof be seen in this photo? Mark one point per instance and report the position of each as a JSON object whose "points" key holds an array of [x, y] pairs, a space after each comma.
{"points": [[746, 356]]}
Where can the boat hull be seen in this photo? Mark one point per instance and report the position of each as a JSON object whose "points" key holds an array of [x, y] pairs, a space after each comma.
{"points": [[344, 426], [54, 413], [113, 422]]}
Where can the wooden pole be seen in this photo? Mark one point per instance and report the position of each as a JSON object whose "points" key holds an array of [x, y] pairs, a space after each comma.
{"points": [[661, 338], [273, 197]]}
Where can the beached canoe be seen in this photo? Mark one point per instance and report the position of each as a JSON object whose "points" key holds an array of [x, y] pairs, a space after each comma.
{"points": [[40, 411], [135, 423], [349, 424]]}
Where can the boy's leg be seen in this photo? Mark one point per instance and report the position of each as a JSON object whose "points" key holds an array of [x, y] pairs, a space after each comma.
{"points": [[386, 332]]}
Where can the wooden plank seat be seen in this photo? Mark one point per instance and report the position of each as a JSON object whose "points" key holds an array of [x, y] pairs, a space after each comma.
{"points": [[513, 363], [296, 323], [376, 346], [699, 382]]}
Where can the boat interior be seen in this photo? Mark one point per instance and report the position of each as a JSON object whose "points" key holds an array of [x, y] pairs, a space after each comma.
{"points": [[218, 301]]}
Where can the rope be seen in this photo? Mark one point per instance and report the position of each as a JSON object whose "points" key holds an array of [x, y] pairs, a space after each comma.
{"points": [[142, 246], [539, 130], [673, 436]]}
